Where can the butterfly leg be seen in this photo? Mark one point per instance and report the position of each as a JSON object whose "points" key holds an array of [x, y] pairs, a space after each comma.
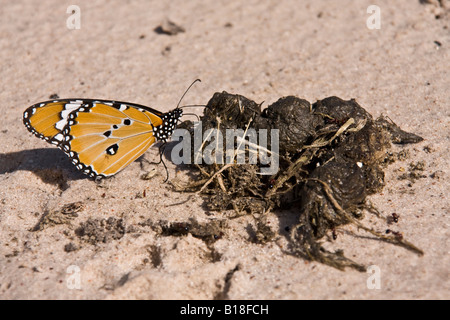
{"points": [[162, 148]]}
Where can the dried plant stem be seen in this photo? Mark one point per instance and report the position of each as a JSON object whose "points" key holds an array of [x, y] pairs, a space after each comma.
{"points": [[307, 156], [228, 165], [389, 239]]}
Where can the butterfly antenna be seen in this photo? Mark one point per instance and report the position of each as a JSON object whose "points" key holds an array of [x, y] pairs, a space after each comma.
{"points": [[194, 106], [196, 80], [192, 114]]}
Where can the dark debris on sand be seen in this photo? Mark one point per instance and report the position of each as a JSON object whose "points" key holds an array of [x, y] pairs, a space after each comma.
{"points": [[332, 155]]}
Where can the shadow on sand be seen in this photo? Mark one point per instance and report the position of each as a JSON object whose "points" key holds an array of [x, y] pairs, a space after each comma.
{"points": [[49, 164]]}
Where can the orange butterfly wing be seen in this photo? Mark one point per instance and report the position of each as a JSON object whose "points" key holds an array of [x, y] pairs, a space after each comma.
{"points": [[101, 137], [41, 119]]}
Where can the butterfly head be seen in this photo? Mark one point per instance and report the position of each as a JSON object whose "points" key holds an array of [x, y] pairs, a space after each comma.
{"points": [[177, 113], [169, 123]]}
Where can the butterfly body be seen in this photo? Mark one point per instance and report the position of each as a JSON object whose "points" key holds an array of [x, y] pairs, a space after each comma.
{"points": [[101, 137]]}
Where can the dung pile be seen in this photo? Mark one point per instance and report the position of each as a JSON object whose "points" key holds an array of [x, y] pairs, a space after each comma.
{"points": [[330, 156]]}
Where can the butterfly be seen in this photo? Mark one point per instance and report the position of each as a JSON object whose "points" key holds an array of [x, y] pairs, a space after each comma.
{"points": [[101, 137]]}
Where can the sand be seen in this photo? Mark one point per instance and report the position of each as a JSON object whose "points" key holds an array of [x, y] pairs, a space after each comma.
{"points": [[263, 50]]}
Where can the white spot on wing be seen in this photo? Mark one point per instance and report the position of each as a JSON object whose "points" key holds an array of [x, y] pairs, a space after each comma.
{"points": [[60, 124], [68, 108]]}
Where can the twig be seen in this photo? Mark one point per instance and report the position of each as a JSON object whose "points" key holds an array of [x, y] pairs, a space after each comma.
{"points": [[394, 240], [227, 165]]}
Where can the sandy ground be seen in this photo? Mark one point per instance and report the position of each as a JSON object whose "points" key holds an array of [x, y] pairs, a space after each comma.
{"points": [[263, 50]]}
